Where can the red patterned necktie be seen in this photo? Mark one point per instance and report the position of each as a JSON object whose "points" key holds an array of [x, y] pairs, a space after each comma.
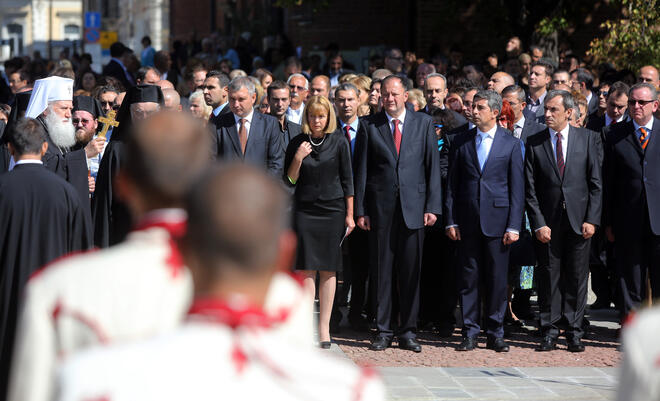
{"points": [[348, 133], [560, 156], [397, 135], [643, 138]]}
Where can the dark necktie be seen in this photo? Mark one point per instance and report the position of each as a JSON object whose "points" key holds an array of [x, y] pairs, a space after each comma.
{"points": [[397, 135], [242, 134], [560, 156], [643, 138]]}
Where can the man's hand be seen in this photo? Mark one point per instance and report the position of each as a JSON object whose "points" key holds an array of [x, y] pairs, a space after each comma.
{"points": [[364, 223], [609, 233], [429, 219], [94, 147], [91, 182], [588, 230], [543, 234], [509, 238], [453, 233]]}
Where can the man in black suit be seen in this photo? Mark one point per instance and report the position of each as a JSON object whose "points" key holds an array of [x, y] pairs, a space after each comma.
{"points": [[522, 127], [540, 76], [398, 192], [583, 82], [279, 97], [116, 68], [483, 213], [356, 270], [564, 201], [435, 91], [632, 196], [215, 94], [245, 135], [615, 110]]}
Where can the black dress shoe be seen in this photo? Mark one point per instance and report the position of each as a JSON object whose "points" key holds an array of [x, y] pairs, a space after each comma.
{"points": [[547, 344], [497, 345], [575, 345], [468, 344], [410, 344], [380, 343]]}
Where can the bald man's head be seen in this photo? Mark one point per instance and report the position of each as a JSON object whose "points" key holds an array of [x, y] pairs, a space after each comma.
{"points": [[500, 80], [172, 100], [165, 84], [167, 152], [649, 74], [237, 219]]}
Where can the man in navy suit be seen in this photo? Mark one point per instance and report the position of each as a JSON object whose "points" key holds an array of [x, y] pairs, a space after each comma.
{"points": [[483, 213], [245, 135], [564, 202], [632, 196], [398, 193]]}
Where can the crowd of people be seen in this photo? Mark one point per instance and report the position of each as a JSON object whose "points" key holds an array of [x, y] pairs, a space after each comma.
{"points": [[415, 190]]}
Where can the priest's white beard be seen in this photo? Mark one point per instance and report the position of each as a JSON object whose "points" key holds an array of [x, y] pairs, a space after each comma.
{"points": [[62, 132]]}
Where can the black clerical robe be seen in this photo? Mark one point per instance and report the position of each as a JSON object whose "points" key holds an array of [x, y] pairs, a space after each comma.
{"points": [[41, 219]]}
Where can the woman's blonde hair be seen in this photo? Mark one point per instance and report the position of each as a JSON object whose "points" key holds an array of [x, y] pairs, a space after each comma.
{"points": [[314, 104], [206, 109]]}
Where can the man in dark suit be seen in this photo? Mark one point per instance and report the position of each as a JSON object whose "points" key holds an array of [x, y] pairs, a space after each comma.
{"points": [[523, 127], [564, 199], [583, 82], [245, 135], [116, 68], [279, 97], [435, 91], [632, 196], [215, 95], [398, 192], [615, 110], [483, 212], [540, 76], [356, 268]]}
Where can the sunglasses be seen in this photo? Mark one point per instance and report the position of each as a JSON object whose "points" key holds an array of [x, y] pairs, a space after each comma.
{"points": [[603, 93], [633, 102], [439, 126]]}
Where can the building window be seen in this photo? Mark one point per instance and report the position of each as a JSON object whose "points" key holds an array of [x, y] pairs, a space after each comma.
{"points": [[71, 32], [15, 34]]}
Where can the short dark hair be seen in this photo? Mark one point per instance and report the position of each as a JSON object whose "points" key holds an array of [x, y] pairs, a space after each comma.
{"points": [[617, 89], [118, 49], [519, 92], [146, 39], [27, 137], [549, 69], [223, 79], [142, 73], [584, 75], [25, 75], [275, 85]]}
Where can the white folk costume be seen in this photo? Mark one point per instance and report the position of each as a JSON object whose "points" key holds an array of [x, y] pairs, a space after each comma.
{"points": [[640, 370], [224, 351], [131, 291]]}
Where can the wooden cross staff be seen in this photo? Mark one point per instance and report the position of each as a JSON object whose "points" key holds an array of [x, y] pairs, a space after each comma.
{"points": [[107, 122]]}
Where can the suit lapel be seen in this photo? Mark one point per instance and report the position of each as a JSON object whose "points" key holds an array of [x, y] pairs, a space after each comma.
{"points": [[386, 133], [256, 127], [574, 140], [409, 127], [653, 141], [233, 134], [494, 148], [634, 140], [552, 159], [472, 148]]}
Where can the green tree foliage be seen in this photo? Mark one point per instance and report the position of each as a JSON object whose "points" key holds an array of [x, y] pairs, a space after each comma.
{"points": [[633, 40]]}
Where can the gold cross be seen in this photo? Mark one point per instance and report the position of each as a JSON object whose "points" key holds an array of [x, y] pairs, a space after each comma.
{"points": [[107, 122]]}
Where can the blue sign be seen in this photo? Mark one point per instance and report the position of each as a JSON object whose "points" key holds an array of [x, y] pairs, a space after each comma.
{"points": [[92, 35], [92, 20]]}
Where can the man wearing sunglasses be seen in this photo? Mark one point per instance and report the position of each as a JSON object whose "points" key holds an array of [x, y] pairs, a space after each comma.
{"points": [[615, 109], [632, 196]]}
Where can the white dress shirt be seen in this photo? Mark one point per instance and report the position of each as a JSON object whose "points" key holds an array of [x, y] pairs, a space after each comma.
{"points": [[648, 126], [518, 127], [564, 141], [28, 161], [295, 115], [401, 119]]}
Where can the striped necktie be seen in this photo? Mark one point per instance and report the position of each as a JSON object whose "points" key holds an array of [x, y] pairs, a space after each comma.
{"points": [[643, 137]]}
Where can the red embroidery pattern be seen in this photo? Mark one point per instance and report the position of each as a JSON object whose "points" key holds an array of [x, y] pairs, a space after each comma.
{"points": [[59, 310]]}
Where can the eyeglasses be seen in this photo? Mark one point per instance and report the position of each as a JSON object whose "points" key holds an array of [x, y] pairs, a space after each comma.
{"points": [[633, 102], [438, 126], [80, 120], [107, 104], [603, 93]]}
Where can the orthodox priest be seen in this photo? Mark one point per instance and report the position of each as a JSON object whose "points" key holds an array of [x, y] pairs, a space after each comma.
{"points": [[41, 220], [51, 104], [112, 220]]}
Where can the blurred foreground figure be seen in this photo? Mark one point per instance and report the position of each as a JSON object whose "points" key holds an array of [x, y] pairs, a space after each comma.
{"points": [[640, 377], [230, 346], [138, 288]]}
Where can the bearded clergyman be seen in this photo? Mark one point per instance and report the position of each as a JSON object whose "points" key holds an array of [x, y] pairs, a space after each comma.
{"points": [[51, 104]]}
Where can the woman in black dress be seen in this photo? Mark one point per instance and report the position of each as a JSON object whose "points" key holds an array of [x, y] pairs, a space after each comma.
{"points": [[318, 165]]}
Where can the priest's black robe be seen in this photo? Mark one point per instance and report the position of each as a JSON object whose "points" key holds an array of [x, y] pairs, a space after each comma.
{"points": [[72, 166], [110, 215], [41, 219]]}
